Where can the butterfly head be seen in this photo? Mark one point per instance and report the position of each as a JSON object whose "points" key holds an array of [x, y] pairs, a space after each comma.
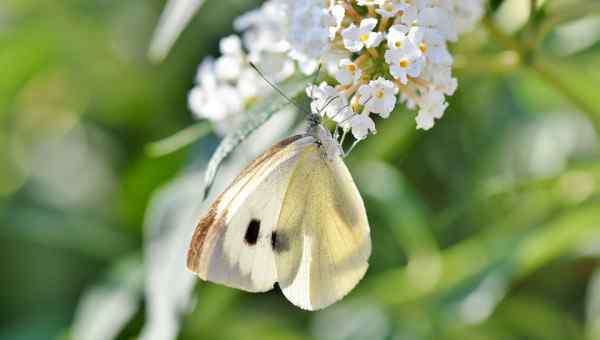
{"points": [[329, 146], [313, 120]]}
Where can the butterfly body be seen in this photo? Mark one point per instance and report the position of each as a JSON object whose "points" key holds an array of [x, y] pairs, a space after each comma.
{"points": [[293, 216]]}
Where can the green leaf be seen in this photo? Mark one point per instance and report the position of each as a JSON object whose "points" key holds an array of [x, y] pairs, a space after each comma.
{"points": [[173, 20], [179, 140]]}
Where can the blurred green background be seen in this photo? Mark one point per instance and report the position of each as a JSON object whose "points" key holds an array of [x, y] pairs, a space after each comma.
{"points": [[486, 227]]}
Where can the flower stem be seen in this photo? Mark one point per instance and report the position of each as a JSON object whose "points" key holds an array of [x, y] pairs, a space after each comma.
{"points": [[383, 24], [361, 59], [352, 12], [373, 52]]}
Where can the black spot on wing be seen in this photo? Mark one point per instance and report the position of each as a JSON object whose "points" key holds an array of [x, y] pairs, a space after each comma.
{"points": [[279, 242], [251, 236]]}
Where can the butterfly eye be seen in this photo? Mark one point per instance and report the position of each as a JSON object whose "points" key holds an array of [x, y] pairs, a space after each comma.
{"points": [[251, 236]]}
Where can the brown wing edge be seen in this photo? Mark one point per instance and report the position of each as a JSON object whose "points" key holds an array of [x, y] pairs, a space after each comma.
{"points": [[213, 218]]}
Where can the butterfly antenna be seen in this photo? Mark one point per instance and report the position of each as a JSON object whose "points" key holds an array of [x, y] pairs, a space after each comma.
{"points": [[276, 88]]}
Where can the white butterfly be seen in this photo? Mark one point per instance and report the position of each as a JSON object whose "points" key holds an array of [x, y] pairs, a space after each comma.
{"points": [[293, 216]]}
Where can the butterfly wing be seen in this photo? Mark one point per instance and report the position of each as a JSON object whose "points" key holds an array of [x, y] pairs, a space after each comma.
{"points": [[322, 241], [232, 242]]}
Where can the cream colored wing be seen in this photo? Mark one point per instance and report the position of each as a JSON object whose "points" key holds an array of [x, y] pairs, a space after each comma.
{"points": [[232, 244], [322, 241]]}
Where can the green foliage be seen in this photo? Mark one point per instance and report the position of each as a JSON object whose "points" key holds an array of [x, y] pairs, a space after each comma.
{"points": [[485, 227]]}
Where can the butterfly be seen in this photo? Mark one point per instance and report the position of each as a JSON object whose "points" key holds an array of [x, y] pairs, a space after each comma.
{"points": [[293, 217]]}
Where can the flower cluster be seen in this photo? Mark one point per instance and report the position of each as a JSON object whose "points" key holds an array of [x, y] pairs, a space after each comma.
{"points": [[381, 53], [227, 86]]}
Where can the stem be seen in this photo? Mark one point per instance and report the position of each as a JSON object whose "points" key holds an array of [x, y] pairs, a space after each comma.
{"points": [[383, 24], [363, 58], [373, 52], [179, 140], [351, 12]]}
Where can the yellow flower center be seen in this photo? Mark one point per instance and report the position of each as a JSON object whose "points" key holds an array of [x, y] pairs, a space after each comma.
{"points": [[351, 68], [423, 47], [398, 44], [379, 94], [356, 103], [404, 63], [389, 7], [364, 37]]}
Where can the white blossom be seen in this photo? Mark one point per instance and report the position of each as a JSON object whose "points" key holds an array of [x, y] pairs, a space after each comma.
{"points": [[339, 13], [215, 99], [356, 38], [390, 8], [328, 102], [348, 73], [409, 16], [440, 78], [229, 65], [283, 37], [360, 125], [309, 26], [404, 61], [439, 19], [432, 107], [370, 2], [397, 35], [467, 13], [379, 96], [431, 43], [264, 29]]}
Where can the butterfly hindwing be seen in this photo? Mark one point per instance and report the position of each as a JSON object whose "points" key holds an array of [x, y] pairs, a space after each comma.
{"points": [[324, 222]]}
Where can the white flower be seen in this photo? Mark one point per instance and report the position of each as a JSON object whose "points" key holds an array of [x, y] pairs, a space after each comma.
{"points": [[440, 78], [355, 38], [379, 96], [231, 45], [404, 62], [390, 8], [467, 13], [331, 60], [396, 36], [439, 19], [264, 29], [339, 13], [216, 105], [310, 22], [370, 2], [205, 76], [228, 67], [360, 125], [250, 85], [328, 102], [409, 15], [432, 107], [211, 98], [348, 73], [276, 66], [431, 43]]}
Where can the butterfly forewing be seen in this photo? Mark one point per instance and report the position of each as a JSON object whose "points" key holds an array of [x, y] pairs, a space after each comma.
{"points": [[232, 243]]}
